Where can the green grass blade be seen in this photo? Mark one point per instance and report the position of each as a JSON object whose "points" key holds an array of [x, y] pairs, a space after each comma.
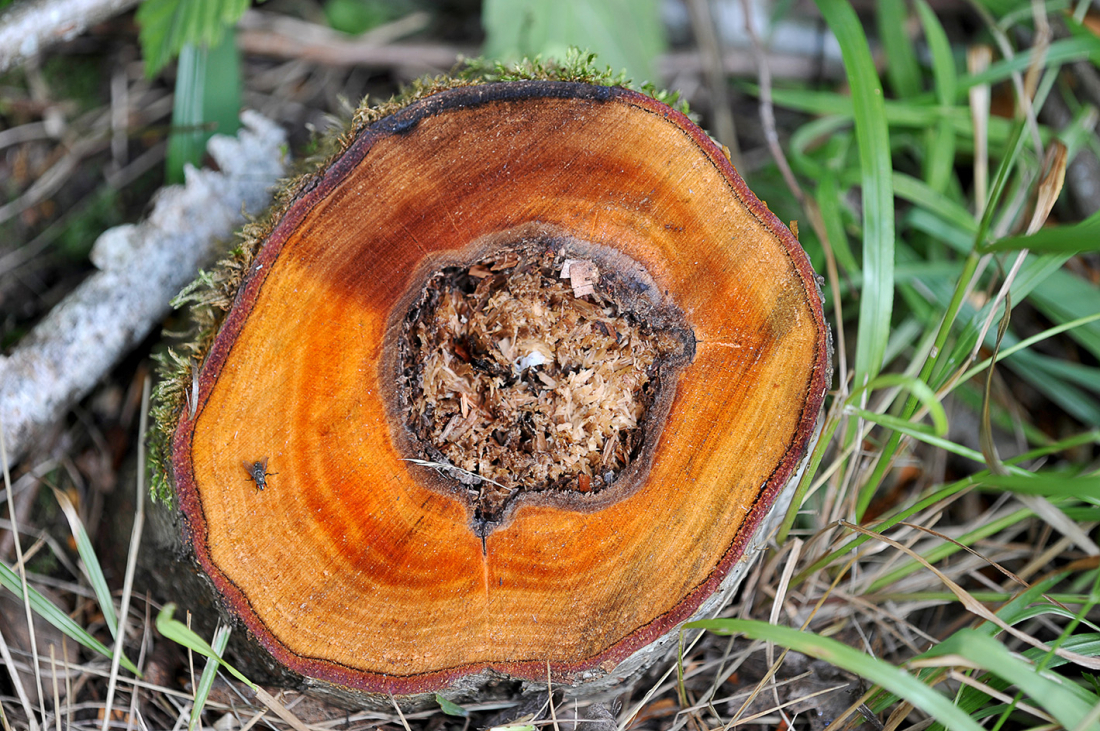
{"points": [[209, 675], [919, 389], [950, 548], [883, 674], [44, 608], [806, 139], [911, 114], [1068, 707], [943, 493], [1083, 236], [972, 699], [1069, 372], [1073, 400], [940, 151], [922, 434], [207, 101], [92, 569], [873, 141], [179, 633], [902, 68], [1047, 484], [1015, 610], [1059, 52], [1063, 297], [828, 201], [924, 196], [185, 144], [1028, 342]]}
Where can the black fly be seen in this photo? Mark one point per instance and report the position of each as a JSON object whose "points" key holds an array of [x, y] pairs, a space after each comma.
{"points": [[257, 472]]}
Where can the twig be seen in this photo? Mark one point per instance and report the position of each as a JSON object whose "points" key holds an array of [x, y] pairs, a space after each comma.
{"points": [[266, 34], [550, 698], [978, 59], [23, 133], [5, 463], [1017, 80], [56, 690], [27, 28], [52, 179], [17, 683], [702, 23], [743, 63], [263, 35], [131, 560], [141, 268], [399, 713], [777, 605]]}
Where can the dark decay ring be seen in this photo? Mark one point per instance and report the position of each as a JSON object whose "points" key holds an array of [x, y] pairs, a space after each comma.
{"points": [[514, 380]]}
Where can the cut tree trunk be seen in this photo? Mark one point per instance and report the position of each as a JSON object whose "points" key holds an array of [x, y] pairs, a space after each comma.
{"points": [[510, 389]]}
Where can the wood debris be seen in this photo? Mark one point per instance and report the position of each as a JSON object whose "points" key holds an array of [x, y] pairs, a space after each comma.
{"points": [[583, 276], [525, 374]]}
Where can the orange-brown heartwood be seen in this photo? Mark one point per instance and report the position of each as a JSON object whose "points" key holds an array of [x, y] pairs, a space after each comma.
{"points": [[350, 544]]}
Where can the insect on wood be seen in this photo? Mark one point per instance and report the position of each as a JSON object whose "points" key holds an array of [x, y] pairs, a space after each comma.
{"points": [[257, 472]]}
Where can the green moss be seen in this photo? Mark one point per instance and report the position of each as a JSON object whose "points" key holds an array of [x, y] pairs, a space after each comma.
{"points": [[76, 79], [210, 296]]}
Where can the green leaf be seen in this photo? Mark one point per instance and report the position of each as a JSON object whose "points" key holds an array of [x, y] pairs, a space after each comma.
{"points": [[357, 16], [44, 608], [883, 674], [450, 707], [168, 25], [625, 34], [873, 141]]}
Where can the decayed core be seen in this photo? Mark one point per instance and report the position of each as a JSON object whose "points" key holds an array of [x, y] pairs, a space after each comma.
{"points": [[526, 374]]}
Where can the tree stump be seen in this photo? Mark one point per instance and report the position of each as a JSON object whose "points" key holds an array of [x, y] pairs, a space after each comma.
{"points": [[508, 390]]}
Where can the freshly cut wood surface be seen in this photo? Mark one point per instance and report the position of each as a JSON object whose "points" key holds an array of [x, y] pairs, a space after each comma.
{"points": [[359, 567]]}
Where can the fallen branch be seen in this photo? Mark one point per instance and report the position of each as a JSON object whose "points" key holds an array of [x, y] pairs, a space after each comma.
{"points": [[141, 268], [27, 28]]}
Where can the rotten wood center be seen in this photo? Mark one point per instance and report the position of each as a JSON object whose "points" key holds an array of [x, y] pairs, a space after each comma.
{"points": [[528, 372]]}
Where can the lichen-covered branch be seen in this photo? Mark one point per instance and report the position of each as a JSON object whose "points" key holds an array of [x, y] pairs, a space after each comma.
{"points": [[27, 28], [141, 268]]}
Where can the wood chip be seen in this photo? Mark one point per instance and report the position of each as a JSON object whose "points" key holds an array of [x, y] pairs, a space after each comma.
{"points": [[583, 276]]}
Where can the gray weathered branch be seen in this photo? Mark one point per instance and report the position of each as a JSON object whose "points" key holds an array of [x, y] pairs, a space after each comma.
{"points": [[29, 27], [141, 268]]}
